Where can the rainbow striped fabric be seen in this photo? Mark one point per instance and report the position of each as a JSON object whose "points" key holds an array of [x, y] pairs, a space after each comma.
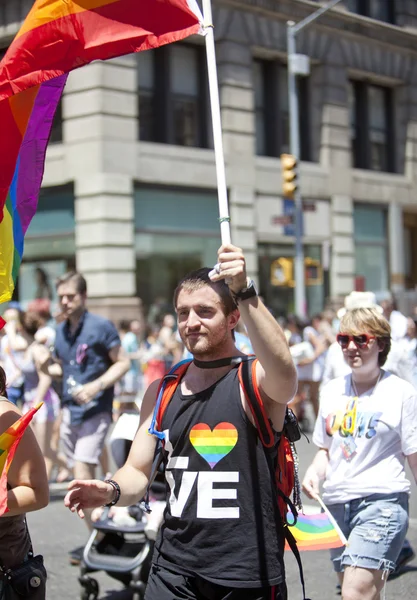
{"points": [[9, 442], [57, 37], [314, 532], [213, 444]]}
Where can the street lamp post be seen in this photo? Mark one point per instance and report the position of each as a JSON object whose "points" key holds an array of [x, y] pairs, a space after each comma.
{"points": [[298, 67]]}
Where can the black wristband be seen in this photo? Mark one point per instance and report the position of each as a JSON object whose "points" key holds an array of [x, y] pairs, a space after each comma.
{"points": [[116, 488]]}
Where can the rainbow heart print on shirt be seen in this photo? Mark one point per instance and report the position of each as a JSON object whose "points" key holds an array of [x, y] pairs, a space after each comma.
{"points": [[213, 445]]}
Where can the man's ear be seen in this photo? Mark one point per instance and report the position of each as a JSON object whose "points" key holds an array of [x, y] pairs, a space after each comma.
{"points": [[234, 318]]}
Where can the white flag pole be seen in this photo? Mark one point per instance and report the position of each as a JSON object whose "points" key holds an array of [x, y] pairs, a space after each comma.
{"points": [[332, 520], [216, 124]]}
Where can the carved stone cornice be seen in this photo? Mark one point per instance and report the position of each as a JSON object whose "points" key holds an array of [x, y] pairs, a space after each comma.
{"points": [[342, 21]]}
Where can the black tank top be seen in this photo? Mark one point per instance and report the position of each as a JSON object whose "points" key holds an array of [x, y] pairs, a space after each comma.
{"points": [[220, 516]]}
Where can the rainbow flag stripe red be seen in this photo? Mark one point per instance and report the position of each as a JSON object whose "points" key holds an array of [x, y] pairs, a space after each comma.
{"points": [[57, 37], [9, 442], [314, 532]]}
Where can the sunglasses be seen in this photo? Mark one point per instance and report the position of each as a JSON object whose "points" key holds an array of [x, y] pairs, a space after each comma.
{"points": [[360, 341]]}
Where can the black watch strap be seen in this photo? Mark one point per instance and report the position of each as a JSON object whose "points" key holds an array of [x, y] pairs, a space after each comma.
{"points": [[248, 292]]}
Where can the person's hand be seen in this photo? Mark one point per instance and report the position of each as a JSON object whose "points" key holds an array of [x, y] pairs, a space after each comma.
{"points": [[87, 392], [231, 266], [89, 493], [311, 483]]}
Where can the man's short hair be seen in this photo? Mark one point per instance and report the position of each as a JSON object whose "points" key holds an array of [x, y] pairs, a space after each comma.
{"points": [[124, 325], [73, 277], [200, 278]]}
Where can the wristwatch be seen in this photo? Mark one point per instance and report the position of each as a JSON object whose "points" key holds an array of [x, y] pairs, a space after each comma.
{"points": [[247, 292]]}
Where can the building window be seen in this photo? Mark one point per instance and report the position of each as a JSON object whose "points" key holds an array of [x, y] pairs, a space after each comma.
{"points": [[173, 98], [272, 120], [57, 126], [167, 245], [371, 124], [381, 10], [371, 248]]}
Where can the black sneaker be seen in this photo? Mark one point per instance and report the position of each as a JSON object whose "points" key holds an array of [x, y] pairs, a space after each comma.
{"points": [[406, 555], [76, 556]]}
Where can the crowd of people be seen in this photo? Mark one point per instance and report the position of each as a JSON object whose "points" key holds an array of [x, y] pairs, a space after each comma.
{"points": [[356, 369]]}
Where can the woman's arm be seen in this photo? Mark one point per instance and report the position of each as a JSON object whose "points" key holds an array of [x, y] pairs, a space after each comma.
{"points": [[40, 355], [412, 461], [315, 473], [27, 476], [17, 342]]}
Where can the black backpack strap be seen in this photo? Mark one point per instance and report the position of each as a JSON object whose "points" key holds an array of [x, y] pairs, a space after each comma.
{"points": [[293, 545]]}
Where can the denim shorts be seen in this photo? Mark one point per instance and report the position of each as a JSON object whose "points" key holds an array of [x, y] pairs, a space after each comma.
{"points": [[375, 527]]}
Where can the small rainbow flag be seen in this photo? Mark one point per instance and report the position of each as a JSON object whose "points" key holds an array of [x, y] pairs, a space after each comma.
{"points": [[9, 441], [315, 532]]}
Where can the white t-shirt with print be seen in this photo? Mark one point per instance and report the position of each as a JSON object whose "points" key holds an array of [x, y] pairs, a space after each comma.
{"points": [[371, 461]]}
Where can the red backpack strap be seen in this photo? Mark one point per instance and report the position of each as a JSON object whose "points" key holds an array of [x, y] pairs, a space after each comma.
{"points": [[249, 385], [169, 383]]}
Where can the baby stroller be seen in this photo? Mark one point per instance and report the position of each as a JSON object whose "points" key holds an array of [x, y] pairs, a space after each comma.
{"points": [[123, 552], [123, 549]]}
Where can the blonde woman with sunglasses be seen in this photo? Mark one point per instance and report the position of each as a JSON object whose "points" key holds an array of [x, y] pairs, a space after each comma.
{"points": [[367, 426]]}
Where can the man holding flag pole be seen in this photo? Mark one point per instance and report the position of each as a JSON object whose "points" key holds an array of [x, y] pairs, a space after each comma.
{"points": [[221, 533]]}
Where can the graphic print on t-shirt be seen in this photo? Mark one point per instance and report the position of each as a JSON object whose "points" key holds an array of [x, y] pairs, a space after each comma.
{"points": [[199, 489], [366, 424], [213, 444]]}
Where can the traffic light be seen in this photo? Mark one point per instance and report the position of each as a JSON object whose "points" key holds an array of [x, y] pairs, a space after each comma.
{"points": [[289, 175]]}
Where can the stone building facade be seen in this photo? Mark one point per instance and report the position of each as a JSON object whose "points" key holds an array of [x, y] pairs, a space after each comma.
{"points": [[129, 193]]}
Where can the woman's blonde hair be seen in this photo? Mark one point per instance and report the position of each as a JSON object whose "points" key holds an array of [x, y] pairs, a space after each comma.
{"points": [[369, 320]]}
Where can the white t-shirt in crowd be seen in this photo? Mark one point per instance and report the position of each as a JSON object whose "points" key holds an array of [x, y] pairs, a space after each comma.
{"points": [[371, 461], [398, 323]]}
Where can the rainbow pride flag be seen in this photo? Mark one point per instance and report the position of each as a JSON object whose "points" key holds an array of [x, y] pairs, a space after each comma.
{"points": [[9, 442], [57, 37], [315, 532]]}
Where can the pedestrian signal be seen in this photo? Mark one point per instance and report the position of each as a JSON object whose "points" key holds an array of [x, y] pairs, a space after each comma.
{"points": [[289, 175]]}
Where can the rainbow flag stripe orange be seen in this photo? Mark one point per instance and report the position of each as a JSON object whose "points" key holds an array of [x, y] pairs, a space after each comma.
{"points": [[314, 532], [57, 37]]}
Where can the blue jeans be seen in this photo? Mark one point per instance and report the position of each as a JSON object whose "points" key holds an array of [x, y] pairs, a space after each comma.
{"points": [[375, 526], [15, 394]]}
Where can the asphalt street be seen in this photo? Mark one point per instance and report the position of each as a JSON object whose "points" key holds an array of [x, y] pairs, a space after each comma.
{"points": [[55, 531]]}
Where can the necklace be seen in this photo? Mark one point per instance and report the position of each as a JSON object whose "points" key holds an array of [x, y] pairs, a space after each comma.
{"points": [[221, 362], [348, 426], [352, 383]]}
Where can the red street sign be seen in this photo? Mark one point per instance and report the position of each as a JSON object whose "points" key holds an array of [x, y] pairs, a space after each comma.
{"points": [[282, 220]]}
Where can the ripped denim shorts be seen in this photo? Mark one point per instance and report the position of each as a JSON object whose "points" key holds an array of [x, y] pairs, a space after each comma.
{"points": [[375, 526]]}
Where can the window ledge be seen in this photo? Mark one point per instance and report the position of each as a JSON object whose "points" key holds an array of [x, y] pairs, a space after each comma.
{"points": [[177, 152], [377, 175]]}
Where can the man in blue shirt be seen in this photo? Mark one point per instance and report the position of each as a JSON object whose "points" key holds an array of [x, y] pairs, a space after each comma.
{"points": [[88, 350]]}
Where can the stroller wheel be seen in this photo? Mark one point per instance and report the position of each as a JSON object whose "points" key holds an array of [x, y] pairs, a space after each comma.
{"points": [[90, 588]]}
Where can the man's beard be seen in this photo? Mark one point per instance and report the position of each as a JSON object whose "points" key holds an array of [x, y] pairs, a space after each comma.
{"points": [[208, 349]]}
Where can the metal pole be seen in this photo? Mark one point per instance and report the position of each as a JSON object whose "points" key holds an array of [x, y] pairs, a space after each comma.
{"points": [[300, 292], [292, 30], [315, 15]]}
